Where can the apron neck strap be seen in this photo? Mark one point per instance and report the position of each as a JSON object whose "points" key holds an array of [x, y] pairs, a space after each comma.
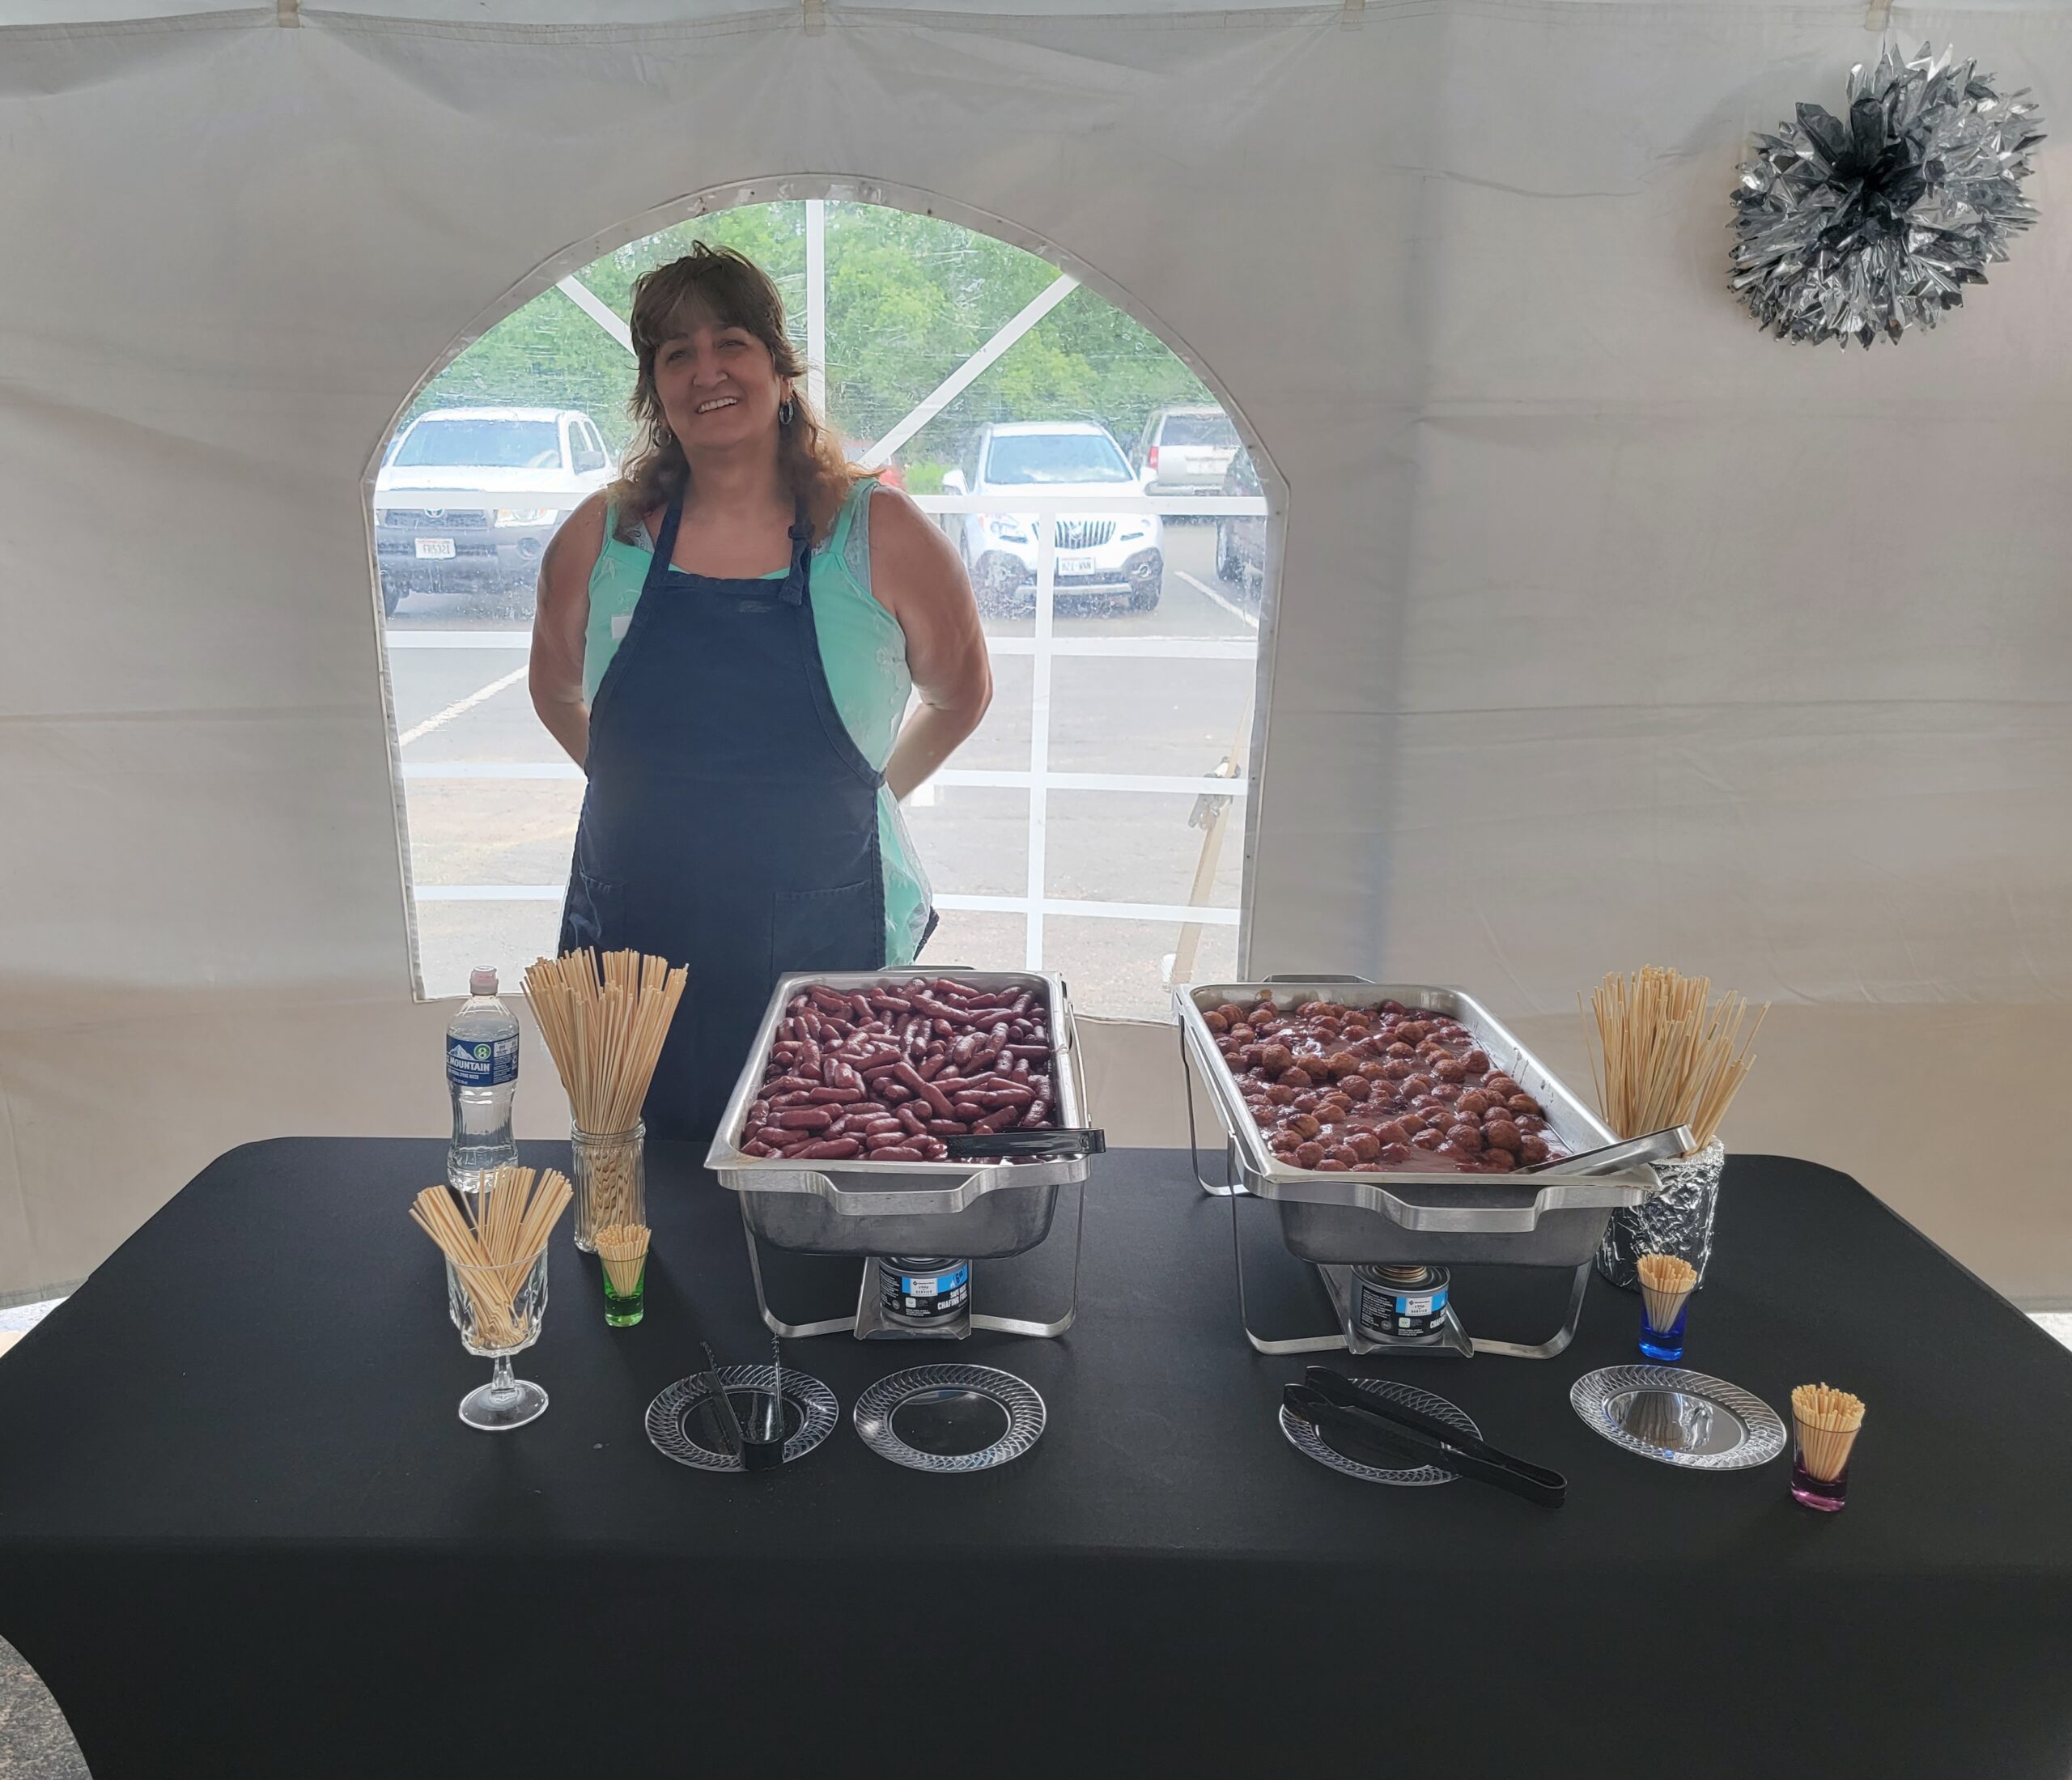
{"points": [[796, 582], [665, 545]]}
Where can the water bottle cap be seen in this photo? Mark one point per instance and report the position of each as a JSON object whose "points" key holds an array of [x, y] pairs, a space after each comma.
{"points": [[481, 980]]}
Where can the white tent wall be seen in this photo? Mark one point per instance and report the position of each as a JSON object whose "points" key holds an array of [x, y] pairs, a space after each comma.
{"points": [[1607, 631]]}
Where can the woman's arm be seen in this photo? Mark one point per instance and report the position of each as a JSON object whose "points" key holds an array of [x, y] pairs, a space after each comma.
{"points": [[917, 578], [561, 613]]}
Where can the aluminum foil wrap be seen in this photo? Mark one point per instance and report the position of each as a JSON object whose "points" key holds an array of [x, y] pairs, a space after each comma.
{"points": [[1677, 1221], [1850, 227]]}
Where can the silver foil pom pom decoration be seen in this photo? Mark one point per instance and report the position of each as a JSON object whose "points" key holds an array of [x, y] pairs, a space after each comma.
{"points": [[1851, 227]]}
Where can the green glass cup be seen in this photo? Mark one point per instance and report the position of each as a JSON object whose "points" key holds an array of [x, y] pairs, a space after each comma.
{"points": [[623, 1259]]}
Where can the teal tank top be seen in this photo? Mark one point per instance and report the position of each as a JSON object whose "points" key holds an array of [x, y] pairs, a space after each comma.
{"points": [[863, 652]]}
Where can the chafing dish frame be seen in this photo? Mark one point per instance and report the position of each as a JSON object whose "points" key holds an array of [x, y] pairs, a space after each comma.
{"points": [[1251, 1170], [769, 1187]]}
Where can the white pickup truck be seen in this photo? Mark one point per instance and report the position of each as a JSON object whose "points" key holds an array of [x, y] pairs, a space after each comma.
{"points": [[469, 497]]}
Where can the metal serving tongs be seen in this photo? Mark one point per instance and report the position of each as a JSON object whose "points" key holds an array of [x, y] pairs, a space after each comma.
{"points": [[721, 1427], [1656, 1146], [1048, 1145], [1339, 1410]]}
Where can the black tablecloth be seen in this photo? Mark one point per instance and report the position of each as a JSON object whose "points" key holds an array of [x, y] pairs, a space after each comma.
{"points": [[243, 1532]]}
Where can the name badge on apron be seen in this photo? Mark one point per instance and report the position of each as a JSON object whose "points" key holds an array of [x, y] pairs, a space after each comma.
{"points": [[620, 626]]}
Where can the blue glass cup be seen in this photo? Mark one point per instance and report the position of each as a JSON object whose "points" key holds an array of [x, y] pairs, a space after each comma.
{"points": [[1665, 1346]]}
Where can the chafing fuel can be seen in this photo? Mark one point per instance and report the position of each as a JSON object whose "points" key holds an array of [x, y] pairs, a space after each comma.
{"points": [[1402, 1304], [923, 1289]]}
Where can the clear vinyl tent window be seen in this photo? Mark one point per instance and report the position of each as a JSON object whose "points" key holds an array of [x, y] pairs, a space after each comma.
{"points": [[1094, 824]]}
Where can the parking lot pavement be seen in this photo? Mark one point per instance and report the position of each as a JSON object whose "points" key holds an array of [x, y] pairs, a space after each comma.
{"points": [[466, 709]]}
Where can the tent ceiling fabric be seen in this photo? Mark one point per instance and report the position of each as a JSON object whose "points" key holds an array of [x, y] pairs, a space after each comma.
{"points": [[1009, 14], [1020, 17], [1607, 629]]}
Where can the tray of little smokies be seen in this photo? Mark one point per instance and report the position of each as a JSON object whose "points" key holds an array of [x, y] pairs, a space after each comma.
{"points": [[837, 1135]]}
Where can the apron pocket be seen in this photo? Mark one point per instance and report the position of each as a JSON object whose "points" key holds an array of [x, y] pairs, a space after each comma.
{"points": [[839, 929], [593, 914]]}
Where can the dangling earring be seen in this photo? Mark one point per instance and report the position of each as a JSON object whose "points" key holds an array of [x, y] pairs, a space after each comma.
{"points": [[785, 409]]}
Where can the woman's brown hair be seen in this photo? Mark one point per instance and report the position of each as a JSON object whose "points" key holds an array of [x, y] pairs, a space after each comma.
{"points": [[730, 290]]}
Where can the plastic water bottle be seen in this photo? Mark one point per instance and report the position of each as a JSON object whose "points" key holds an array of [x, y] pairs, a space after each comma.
{"points": [[482, 1071]]}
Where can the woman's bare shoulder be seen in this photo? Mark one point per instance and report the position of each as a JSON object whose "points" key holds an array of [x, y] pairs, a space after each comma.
{"points": [[573, 551], [904, 540], [915, 573]]}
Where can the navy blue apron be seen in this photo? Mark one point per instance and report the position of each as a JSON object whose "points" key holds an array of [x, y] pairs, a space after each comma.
{"points": [[730, 821]]}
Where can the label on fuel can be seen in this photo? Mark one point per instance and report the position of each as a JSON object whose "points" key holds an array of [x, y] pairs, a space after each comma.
{"points": [[1401, 1316], [923, 1297]]}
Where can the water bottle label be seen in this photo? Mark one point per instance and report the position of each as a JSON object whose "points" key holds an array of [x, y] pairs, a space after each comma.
{"points": [[481, 1063]]}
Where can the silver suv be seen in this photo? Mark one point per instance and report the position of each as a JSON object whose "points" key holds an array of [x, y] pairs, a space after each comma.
{"points": [[1110, 557], [1186, 451]]}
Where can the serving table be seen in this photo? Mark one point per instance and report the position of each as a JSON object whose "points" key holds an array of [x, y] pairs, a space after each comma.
{"points": [[243, 1531]]}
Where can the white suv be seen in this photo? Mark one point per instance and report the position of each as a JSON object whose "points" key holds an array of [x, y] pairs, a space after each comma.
{"points": [[1114, 558], [469, 497]]}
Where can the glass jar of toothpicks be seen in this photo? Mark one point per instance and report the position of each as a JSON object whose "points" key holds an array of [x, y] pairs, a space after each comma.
{"points": [[1825, 1423], [604, 1030], [1664, 1053], [611, 1172]]}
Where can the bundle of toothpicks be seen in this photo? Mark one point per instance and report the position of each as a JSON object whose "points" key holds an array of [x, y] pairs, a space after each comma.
{"points": [[495, 1241], [1828, 1422], [604, 1030], [623, 1249], [1665, 1053], [1666, 1284]]}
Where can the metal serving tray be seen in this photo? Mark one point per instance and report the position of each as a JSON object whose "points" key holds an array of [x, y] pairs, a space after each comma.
{"points": [[1407, 1215], [932, 1207]]}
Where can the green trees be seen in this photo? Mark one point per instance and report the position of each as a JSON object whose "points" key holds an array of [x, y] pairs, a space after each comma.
{"points": [[909, 298]]}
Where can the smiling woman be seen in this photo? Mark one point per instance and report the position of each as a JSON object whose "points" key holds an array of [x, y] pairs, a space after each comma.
{"points": [[707, 650]]}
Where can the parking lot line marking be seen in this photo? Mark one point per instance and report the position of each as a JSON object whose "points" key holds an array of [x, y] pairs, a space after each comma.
{"points": [[463, 706], [1235, 611]]}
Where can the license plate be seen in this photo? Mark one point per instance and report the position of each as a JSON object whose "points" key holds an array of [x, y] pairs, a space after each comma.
{"points": [[435, 547], [1077, 565]]}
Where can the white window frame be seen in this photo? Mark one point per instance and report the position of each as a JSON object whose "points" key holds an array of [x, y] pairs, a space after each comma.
{"points": [[1044, 646]]}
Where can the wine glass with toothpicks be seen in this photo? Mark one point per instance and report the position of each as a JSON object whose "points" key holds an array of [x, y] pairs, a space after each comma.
{"points": [[498, 1315], [496, 1280]]}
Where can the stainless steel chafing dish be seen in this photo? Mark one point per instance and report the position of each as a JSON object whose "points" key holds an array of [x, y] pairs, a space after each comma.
{"points": [[1401, 1217], [967, 1210]]}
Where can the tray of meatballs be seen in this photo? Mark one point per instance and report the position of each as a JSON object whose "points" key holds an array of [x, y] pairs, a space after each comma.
{"points": [[1419, 1083]]}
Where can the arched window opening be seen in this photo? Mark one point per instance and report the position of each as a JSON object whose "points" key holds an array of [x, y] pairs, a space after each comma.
{"points": [[1094, 823]]}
